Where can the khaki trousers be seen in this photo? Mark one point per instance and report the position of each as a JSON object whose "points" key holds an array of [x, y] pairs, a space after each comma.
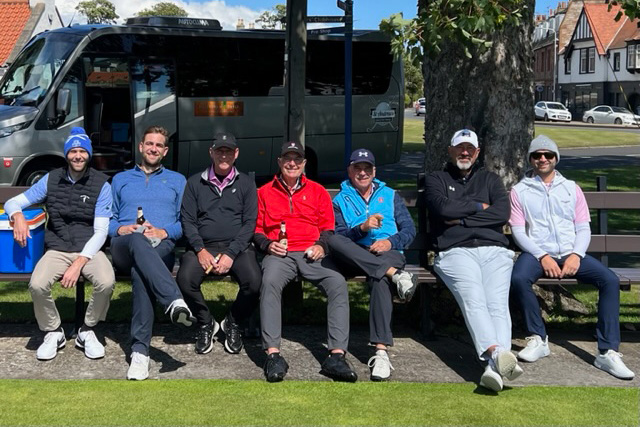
{"points": [[51, 268]]}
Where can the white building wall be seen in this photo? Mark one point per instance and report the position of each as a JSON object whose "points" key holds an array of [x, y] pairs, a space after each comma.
{"points": [[623, 74], [50, 19], [601, 66]]}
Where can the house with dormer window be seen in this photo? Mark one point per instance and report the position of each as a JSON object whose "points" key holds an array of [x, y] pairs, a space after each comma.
{"points": [[600, 64]]}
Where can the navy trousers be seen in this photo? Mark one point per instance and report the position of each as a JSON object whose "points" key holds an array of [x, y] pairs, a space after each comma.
{"points": [[528, 270], [151, 281]]}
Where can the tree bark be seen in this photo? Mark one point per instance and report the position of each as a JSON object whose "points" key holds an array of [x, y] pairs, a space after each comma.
{"points": [[490, 93]]}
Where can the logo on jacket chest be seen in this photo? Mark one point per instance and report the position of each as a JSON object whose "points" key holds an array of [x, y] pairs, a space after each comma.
{"points": [[84, 198], [452, 188]]}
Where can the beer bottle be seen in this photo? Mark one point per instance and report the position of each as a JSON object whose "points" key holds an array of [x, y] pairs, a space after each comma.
{"points": [[282, 236], [140, 220]]}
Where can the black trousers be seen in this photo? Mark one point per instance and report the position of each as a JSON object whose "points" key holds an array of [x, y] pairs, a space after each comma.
{"points": [[245, 270]]}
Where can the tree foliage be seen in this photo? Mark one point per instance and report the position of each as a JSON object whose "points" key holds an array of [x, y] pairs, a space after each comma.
{"points": [[631, 8], [273, 18], [468, 22], [98, 11], [413, 79], [164, 8]]}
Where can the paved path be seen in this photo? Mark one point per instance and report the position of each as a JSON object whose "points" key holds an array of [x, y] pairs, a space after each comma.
{"points": [[445, 360]]}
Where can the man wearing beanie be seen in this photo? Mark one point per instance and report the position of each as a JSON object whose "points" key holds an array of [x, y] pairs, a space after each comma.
{"points": [[146, 250], [78, 202], [468, 206], [550, 223]]}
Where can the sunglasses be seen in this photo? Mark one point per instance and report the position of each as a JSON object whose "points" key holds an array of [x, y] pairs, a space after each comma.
{"points": [[547, 155]]}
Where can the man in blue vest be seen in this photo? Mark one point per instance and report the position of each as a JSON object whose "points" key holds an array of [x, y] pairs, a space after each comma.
{"points": [[373, 226], [78, 201], [146, 251]]}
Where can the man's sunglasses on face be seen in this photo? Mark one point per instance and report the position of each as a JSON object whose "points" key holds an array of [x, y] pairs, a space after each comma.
{"points": [[547, 155]]}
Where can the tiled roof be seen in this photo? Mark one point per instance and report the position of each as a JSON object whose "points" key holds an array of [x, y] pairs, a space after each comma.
{"points": [[629, 31], [13, 16], [603, 25]]}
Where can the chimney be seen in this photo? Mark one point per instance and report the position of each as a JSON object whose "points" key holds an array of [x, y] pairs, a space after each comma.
{"points": [[240, 24]]}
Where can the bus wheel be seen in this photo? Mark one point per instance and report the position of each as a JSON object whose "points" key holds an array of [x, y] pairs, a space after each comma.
{"points": [[32, 173]]}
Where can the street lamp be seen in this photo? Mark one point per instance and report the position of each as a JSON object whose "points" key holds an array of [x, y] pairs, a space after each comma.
{"points": [[555, 57]]}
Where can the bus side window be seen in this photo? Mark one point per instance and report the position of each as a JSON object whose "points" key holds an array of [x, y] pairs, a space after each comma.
{"points": [[73, 82]]}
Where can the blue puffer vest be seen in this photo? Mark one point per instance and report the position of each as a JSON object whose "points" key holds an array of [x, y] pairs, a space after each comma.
{"points": [[355, 210]]}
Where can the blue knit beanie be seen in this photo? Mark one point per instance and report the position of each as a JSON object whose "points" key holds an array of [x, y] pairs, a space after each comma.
{"points": [[78, 139]]}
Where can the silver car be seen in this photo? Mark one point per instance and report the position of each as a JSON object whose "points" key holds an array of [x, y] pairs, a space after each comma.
{"points": [[611, 115], [553, 111]]}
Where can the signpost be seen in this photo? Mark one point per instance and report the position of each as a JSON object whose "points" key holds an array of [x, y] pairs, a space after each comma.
{"points": [[295, 62]]}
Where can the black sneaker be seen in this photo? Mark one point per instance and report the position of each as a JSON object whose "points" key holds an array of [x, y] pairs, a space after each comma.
{"points": [[204, 337], [336, 367], [233, 336], [275, 368]]}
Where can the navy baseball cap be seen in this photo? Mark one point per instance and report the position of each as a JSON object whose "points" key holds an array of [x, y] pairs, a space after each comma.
{"points": [[224, 140], [362, 155], [291, 147]]}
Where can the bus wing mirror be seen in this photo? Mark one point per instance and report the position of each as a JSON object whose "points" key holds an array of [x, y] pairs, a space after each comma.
{"points": [[63, 105]]}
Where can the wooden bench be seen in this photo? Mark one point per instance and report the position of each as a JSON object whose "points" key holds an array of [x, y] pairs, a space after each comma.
{"points": [[420, 252]]}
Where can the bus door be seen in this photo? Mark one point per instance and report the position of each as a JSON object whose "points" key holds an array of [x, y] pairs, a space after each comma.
{"points": [[153, 87], [108, 111]]}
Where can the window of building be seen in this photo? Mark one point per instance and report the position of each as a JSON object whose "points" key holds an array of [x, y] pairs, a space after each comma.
{"points": [[567, 65], [587, 60], [616, 61], [631, 56]]}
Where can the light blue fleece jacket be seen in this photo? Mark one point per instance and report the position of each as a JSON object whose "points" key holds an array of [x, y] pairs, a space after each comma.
{"points": [[159, 194]]}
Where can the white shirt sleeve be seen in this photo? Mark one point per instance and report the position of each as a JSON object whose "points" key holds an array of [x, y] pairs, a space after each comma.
{"points": [[93, 245], [525, 242], [583, 238]]}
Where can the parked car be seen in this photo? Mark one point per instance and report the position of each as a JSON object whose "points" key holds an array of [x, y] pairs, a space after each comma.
{"points": [[552, 111], [419, 106], [611, 115]]}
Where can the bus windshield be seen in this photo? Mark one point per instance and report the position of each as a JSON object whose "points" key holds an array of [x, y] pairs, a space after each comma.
{"points": [[30, 76]]}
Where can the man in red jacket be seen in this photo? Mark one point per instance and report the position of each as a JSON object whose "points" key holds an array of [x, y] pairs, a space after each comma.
{"points": [[305, 209]]}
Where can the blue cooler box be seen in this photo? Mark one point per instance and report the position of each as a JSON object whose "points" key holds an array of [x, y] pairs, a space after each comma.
{"points": [[13, 258]]}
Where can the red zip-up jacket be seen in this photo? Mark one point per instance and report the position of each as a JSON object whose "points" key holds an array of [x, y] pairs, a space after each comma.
{"points": [[308, 214]]}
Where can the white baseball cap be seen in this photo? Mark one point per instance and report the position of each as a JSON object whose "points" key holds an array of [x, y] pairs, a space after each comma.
{"points": [[464, 135]]}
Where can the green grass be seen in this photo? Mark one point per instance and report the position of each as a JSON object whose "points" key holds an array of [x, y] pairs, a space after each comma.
{"points": [[564, 137], [572, 137], [200, 402], [413, 135]]}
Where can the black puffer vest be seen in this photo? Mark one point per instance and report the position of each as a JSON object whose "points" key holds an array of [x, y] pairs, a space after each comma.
{"points": [[71, 208]]}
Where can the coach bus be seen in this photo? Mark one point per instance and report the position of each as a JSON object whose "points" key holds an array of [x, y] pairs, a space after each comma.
{"points": [[195, 80]]}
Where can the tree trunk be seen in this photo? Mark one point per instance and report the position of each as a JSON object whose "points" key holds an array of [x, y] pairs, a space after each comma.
{"points": [[491, 93]]}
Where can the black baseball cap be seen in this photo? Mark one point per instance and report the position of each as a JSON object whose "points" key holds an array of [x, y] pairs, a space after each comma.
{"points": [[224, 139], [362, 155], [291, 147]]}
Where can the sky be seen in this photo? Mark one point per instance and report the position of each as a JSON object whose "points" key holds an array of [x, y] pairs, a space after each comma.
{"points": [[367, 13]]}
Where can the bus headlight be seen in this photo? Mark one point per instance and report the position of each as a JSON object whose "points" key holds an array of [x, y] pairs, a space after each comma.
{"points": [[6, 131]]}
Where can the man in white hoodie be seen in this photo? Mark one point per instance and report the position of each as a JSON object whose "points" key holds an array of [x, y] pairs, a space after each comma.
{"points": [[550, 223]]}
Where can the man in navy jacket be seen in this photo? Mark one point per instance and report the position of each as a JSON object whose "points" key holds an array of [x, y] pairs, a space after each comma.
{"points": [[373, 226]]}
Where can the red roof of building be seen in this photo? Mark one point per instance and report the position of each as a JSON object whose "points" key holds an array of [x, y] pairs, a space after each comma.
{"points": [[603, 25], [628, 32], [13, 16]]}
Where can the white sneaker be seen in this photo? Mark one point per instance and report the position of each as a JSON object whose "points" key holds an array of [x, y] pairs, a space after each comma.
{"points": [[611, 362], [515, 373], [506, 363], [53, 341], [180, 313], [536, 348], [139, 368], [381, 366], [491, 379], [406, 283], [93, 348]]}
